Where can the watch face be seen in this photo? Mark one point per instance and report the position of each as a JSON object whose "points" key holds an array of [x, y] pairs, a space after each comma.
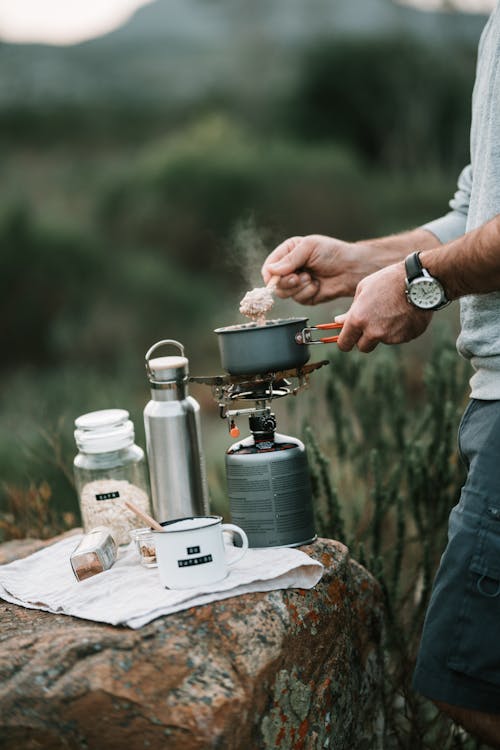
{"points": [[426, 293]]}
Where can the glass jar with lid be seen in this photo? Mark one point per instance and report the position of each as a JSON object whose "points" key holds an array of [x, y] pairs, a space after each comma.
{"points": [[109, 469]]}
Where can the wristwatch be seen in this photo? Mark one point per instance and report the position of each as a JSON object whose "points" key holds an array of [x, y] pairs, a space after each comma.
{"points": [[423, 290]]}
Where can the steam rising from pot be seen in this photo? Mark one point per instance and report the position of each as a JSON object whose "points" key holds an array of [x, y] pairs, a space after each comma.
{"points": [[251, 248]]}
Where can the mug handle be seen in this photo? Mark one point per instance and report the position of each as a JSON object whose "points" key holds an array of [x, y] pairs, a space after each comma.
{"points": [[244, 539]]}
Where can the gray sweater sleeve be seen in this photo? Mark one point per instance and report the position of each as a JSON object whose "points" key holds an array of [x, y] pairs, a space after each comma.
{"points": [[453, 224]]}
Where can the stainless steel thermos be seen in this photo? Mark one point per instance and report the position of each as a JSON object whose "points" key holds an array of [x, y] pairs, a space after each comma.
{"points": [[173, 438]]}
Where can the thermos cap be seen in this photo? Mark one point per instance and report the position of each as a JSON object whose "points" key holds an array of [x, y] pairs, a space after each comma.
{"points": [[104, 431], [168, 369]]}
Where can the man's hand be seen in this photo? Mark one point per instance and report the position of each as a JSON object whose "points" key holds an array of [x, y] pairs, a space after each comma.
{"points": [[380, 313], [316, 268]]}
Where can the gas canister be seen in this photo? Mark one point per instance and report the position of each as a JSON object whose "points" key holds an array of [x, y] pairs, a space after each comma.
{"points": [[269, 486]]}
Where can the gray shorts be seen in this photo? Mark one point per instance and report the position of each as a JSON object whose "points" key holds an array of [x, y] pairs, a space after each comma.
{"points": [[459, 658]]}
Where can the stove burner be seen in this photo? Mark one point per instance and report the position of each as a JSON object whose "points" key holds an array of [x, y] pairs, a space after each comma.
{"points": [[254, 382], [262, 389], [258, 392]]}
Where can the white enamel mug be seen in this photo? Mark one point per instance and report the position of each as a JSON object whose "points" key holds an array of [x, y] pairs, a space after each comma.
{"points": [[190, 552]]}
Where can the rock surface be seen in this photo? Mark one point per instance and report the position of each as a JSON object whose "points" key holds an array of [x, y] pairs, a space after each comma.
{"points": [[291, 669]]}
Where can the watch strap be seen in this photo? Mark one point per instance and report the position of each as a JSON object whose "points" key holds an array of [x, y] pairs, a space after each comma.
{"points": [[413, 266]]}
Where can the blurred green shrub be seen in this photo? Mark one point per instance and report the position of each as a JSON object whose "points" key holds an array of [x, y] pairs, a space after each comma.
{"points": [[396, 102], [45, 276], [66, 297], [188, 193], [43, 124]]}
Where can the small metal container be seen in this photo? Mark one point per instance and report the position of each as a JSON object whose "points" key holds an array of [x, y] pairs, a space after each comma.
{"points": [[95, 553]]}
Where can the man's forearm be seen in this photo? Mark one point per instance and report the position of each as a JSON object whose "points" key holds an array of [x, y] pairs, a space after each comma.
{"points": [[468, 265], [397, 246]]}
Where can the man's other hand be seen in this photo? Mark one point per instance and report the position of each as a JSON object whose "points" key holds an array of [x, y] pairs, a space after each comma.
{"points": [[381, 313]]}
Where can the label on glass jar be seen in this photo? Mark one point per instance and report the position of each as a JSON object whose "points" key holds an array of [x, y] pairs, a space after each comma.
{"points": [[107, 496], [101, 503]]}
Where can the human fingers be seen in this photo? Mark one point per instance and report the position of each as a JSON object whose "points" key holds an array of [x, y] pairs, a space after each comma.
{"points": [[307, 292], [288, 286], [295, 259], [278, 254], [355, 333], [366, 344], [350, 334]]}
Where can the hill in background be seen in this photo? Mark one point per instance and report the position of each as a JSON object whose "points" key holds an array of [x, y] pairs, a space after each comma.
{"points": [[179, 50]]}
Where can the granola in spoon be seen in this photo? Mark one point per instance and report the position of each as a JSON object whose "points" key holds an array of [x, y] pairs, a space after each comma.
{"points": [[257, 302]]}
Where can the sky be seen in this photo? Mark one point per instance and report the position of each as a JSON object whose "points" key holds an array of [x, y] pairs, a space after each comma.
{"points": [[72, 21], [62, 21]]}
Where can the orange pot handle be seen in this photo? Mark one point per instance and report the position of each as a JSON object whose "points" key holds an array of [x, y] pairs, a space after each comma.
{"points": [[328, 326], [330, 340]]}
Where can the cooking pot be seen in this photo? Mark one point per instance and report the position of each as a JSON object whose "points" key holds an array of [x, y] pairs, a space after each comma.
{"points": [[283, 344]]}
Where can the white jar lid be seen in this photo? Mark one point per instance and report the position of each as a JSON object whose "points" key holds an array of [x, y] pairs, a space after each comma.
{"points": [[104, 431]]}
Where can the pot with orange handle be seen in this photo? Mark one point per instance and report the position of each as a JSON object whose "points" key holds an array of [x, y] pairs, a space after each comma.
{"points": [[277, 345]]}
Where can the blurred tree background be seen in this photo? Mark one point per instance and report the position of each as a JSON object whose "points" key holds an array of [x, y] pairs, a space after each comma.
{"points": [[147, 173]]}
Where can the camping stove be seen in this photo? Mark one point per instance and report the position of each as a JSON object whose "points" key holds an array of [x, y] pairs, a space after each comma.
{"points": [[267, 473]]}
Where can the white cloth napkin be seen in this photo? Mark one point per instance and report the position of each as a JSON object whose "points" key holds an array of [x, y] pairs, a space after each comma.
{"points": [[130, 594]]}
